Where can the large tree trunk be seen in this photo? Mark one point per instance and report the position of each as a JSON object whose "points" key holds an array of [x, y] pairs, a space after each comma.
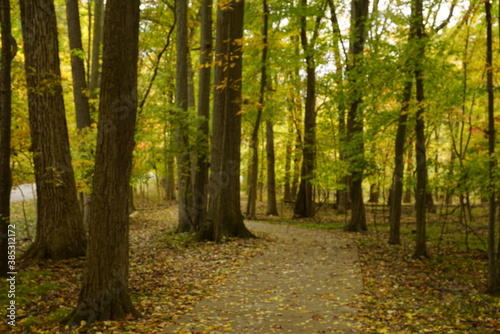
{"points": [[493, 253], [184, 186], [8, 44], [396, 196], [304, 204], [420, 150], [105, 293], [359, 16], [60, 232], [224, 218], [204, 89]]}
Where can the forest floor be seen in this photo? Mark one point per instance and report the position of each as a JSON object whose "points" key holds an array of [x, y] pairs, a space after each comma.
{"points": [[303, 282], [260, 285]]}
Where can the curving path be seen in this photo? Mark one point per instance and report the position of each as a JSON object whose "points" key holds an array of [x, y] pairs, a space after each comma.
{"points": [[302, 283], [23, 192]]}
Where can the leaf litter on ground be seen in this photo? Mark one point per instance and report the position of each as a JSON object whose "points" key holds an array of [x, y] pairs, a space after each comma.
{"points": [[169, 273], [443, 294]]}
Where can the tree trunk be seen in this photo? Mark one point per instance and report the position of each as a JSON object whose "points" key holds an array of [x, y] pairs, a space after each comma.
{"points": [[296, 147], [95, 54], [304, 204], [407, 197], [296, 167], [170, 194], [60, 232], [261, 177], [374, 193], [191, 89], [297, 121], [420, 150], [272, 206], [105, 293], [253, 168], [184, 187], [202, 164], [253, 179], [224, 211], [397, 179], [82, 107], [77, 65], [287, 191], [493, 253], [355, 141], [8, 53], [342, 193]]}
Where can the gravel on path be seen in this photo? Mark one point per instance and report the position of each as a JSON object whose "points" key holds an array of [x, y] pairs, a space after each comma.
{"points": [[304, 282]]}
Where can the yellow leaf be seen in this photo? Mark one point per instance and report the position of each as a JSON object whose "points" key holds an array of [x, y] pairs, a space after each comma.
{"points": [[409, 315]]}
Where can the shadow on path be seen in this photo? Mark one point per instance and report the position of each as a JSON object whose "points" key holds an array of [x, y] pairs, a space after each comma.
{"points": [[302, 283]]}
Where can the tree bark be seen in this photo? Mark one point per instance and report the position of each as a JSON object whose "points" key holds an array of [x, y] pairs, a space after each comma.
{"points": [[296, 122], [355, 141], [493, 252], [397, 179], [224, 218], [253, 172], [105, 294], [343, 192], [60, 232], [8, 53], [287, 191], [170, 194], [81, 100], [77, 65], [95, 54], [407, 197], [420, 149], [204, 88], [304, 204], [272, 206], [253, 175], [184, 186]]}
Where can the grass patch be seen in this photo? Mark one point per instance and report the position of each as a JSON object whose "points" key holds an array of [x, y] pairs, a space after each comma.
{"points": [[310, 224], [23, 216], [30, 285]]}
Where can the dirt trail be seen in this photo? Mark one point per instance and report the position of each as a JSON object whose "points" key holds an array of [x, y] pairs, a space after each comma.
{"points": [[302, 283]]}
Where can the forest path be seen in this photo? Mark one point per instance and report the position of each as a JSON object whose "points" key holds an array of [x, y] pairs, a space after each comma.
{"points": [[302, 283], [23, 192]]}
